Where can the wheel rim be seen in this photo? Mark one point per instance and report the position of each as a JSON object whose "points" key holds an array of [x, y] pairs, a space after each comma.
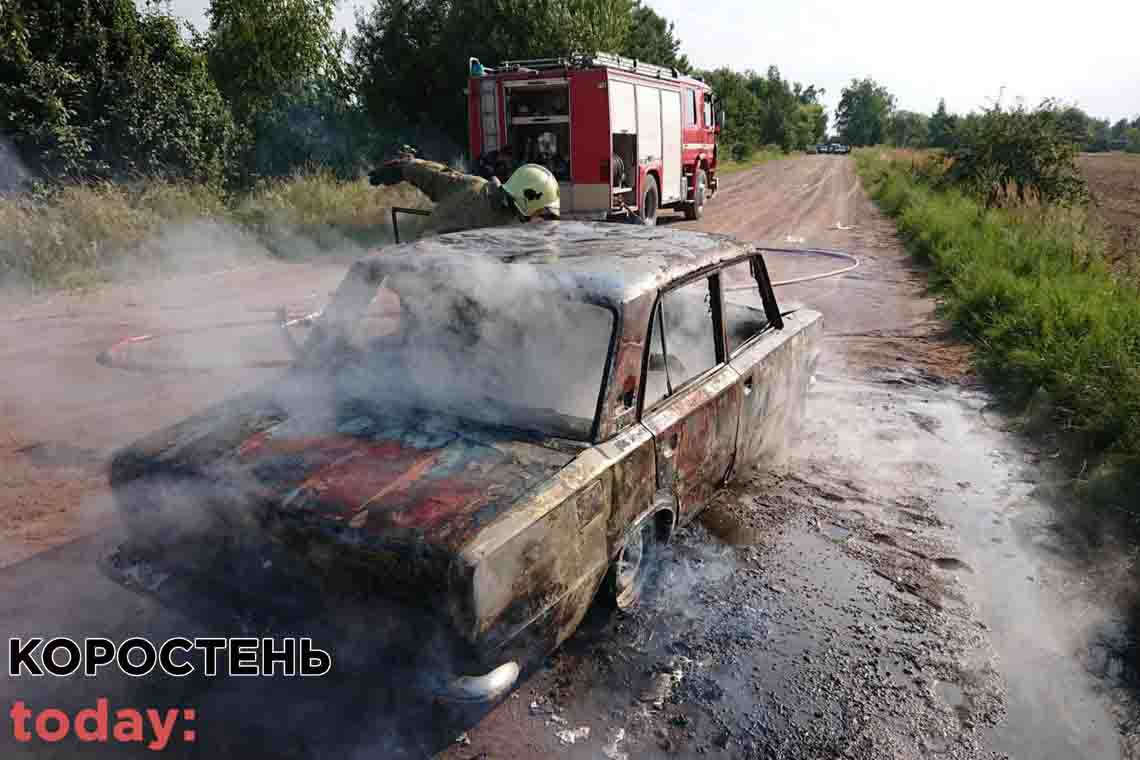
{"points": [[631, 566]]}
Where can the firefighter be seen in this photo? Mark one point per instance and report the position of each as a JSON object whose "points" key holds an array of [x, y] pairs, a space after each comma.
{"points": [[464, 201]]}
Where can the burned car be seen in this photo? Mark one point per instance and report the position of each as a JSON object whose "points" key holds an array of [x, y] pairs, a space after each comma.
{"points": [[497, 425]]}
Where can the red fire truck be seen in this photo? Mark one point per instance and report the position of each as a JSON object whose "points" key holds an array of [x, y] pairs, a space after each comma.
{"points": [[623, 137]]}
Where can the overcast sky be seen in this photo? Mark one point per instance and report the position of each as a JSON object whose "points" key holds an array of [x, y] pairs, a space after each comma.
{"points": [[965, 52]]}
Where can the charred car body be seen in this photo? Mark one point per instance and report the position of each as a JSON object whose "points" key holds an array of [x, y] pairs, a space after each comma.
{"points": [[496, 423]]}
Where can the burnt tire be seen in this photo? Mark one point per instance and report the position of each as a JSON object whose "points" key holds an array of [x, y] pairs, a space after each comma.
{"points": [[695, 209], [633, 573], [650, 202]]}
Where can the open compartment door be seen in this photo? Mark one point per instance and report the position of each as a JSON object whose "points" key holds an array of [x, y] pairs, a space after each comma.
{"points": [[672, 185]]}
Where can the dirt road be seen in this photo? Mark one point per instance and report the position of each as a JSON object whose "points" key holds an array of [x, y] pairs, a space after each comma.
{"points": [[894, 589]]}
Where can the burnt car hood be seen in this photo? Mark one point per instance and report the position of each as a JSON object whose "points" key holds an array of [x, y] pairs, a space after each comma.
{"points": [[357, 472]]}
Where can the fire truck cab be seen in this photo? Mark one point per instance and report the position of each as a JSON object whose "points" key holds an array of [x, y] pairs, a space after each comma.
{"points": [[623, 138]]}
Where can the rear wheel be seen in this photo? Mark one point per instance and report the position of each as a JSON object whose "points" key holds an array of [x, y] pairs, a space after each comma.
{"points": [[649, 202], [695, 208], [631, 575]]}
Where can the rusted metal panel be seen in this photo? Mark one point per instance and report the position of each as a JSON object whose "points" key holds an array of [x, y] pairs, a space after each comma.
{"points": [[635, 480], [695, 434], [382, 486], [619, 402], [538, 566], [602, 262], [780, 365]]}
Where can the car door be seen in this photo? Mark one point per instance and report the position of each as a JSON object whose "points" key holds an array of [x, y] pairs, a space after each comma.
{"points": [[773, 361], [690, 396]]}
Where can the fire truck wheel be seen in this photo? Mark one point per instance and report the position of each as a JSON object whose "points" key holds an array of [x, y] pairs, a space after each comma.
{"points": [[696, 208], [649, 203]]}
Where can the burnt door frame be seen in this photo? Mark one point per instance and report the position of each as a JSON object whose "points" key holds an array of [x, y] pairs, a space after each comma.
{"points": [[758, 379], [694, 427]]}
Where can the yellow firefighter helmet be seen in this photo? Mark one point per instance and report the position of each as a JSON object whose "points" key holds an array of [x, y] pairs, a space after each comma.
{"points": [[531, 189]]}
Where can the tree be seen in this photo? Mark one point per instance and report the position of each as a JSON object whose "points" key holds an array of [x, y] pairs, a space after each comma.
{"points": [[282, 69], [412, 55], [907, 129], [764, 110], [1132, 139], [741, 106], [261, 48], [101, 91], [941, 127], [652, 39], [1100, 137], [1015, 154], [863, 112], [1073, 123]]}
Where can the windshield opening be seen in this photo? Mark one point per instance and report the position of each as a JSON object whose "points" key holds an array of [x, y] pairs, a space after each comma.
{"points": [[494, 350]]}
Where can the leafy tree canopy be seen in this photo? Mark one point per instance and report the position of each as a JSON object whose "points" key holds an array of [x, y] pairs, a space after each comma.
{"points": [[100, 90], [863, 113]]}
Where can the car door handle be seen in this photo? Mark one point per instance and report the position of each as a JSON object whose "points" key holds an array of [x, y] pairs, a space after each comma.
{"points": [[748, 382]]}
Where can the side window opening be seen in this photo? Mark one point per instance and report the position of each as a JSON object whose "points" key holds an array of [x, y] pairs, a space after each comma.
{"points": [[691, 111], [682, 340], [708, 111], [744, 316], [749, 303]]}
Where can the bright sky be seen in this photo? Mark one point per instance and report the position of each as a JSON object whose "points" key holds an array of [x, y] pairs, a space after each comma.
{"points": [[966, 52]]}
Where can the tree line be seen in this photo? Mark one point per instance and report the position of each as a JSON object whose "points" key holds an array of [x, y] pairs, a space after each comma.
{"points": [[112, 90], [866, 115]]}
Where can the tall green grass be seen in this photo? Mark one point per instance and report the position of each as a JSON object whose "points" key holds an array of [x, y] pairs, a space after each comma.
{"points": [[1057, 334], [78, 235]]}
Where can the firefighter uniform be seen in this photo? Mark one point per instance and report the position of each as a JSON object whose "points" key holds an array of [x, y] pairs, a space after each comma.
{"points": [[464, 201]]}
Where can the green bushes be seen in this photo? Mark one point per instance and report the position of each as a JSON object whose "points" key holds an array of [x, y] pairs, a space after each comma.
{"points": [[1054, 329], [1016, 155], [105, 91]]}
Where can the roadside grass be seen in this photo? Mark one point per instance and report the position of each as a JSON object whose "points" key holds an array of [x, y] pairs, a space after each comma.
{"points": [[761, 156], [1056, 332], [80, 235]]}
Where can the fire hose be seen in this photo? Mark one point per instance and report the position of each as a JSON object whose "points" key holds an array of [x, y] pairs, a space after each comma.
{"points": [[119, 356], [853, 264]]}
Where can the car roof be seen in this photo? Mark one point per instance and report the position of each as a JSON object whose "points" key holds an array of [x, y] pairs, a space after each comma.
{"points": [[591, 261]]}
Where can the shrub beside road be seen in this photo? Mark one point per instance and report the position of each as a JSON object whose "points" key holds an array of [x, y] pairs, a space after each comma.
{"points": [[1057, 332]]}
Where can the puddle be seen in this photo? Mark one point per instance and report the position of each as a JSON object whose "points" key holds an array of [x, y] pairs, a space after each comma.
{"points": [[951, 563], [835, 532], [1051, 701], [950, 693]]}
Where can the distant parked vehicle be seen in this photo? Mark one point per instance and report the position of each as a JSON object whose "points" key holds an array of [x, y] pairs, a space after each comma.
{"points": [[823, 148], [839, 148]]}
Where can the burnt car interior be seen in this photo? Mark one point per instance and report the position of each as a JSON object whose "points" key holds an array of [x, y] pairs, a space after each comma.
{"points": [[683, 330]]}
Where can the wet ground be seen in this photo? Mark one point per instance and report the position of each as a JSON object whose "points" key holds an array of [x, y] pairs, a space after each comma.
{"points": [[894, 588], [888, 592]]}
